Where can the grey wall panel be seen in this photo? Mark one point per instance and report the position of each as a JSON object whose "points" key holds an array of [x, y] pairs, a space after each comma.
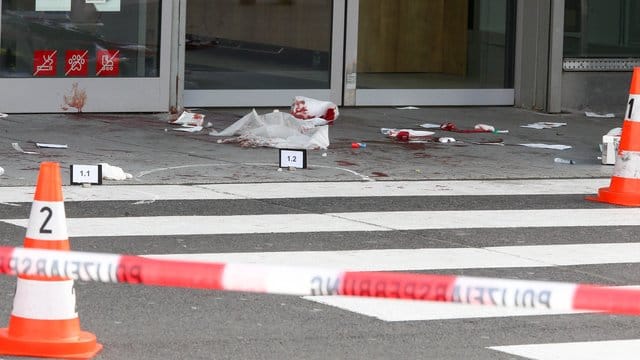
{"points": [[596, 91]]}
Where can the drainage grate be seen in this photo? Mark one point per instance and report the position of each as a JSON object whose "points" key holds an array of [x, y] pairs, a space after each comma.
{"points": [[576, 64]]}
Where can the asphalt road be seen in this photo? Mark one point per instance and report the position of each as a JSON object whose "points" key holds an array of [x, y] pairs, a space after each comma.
{"points": [[135, 322]]}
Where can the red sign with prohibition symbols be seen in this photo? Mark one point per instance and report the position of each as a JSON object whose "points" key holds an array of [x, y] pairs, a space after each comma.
{"points": [[45, 63], [76, 63], [108, 63]]}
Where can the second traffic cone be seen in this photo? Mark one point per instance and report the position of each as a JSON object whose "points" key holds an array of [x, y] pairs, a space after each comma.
{"points": [[44, 321], [625, 182]]}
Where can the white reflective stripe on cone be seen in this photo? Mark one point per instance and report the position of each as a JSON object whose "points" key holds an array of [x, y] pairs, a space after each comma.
{"points": [[45, 300], [47, 221], [627, 164], [280, 280], [513, 293], [633, 108]]}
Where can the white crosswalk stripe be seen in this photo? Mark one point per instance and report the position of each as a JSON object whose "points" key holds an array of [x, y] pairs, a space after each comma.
{"points": [[314, 189], [436, 259], [586, 350], [361, 221]]}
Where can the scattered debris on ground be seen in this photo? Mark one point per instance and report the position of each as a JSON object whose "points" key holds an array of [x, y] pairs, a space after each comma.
{"points": [[52, 146], [430, 126], [189, 118], [191, 129], [407, 134], [17, 147], [189, 122], [445, 140], [547, 146], [596, 115], [543, 125], [478, 128], [1, 171], [110, 172], [563, 161]]}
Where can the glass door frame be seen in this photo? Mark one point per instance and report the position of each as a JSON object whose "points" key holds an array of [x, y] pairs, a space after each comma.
{"points": [[404, 97], [135, 94], [271, 97]]}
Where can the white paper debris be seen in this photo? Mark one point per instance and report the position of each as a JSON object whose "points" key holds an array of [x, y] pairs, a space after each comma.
{"points": [[278, 130], [446, 139], [596, 115], [307, 108], [190, 129], [3, 115], [430, 126], [408, 108], [18, 148], [484, 127], [1, 171], [544, 125], [110, 172], [548, 146], [52, 146], [189, 119]]}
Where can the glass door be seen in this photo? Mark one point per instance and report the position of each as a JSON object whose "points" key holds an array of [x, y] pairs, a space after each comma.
{"points": [[430, 52], [85, 55], [262, 52]]}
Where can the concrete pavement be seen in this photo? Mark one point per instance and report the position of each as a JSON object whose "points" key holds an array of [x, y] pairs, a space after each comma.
{"points": [[147, 147]]}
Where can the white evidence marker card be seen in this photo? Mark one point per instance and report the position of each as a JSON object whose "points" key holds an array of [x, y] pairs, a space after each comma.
{"points": [[293, 158], [86, 174]]}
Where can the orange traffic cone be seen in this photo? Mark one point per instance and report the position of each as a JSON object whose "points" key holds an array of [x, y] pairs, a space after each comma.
{"points": [[625, 182], [44, 321]]}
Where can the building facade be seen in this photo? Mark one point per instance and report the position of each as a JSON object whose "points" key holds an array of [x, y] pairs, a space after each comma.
{"points": [[161, 55]]}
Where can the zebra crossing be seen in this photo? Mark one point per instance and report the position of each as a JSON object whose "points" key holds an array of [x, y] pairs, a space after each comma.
{"points": [[527, 229]]}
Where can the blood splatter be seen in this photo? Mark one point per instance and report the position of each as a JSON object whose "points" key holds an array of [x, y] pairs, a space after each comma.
{"points": [[345, 163], [76, 100]]}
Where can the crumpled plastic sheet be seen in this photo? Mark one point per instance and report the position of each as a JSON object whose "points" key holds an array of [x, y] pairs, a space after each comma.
{"points": [[278, 130]]}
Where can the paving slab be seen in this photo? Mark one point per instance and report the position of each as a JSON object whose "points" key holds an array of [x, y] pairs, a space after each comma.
{"points": [[148, 147]]}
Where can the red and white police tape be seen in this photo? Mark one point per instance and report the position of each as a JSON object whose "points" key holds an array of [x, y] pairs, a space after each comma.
{"points": [[271, 279]]}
